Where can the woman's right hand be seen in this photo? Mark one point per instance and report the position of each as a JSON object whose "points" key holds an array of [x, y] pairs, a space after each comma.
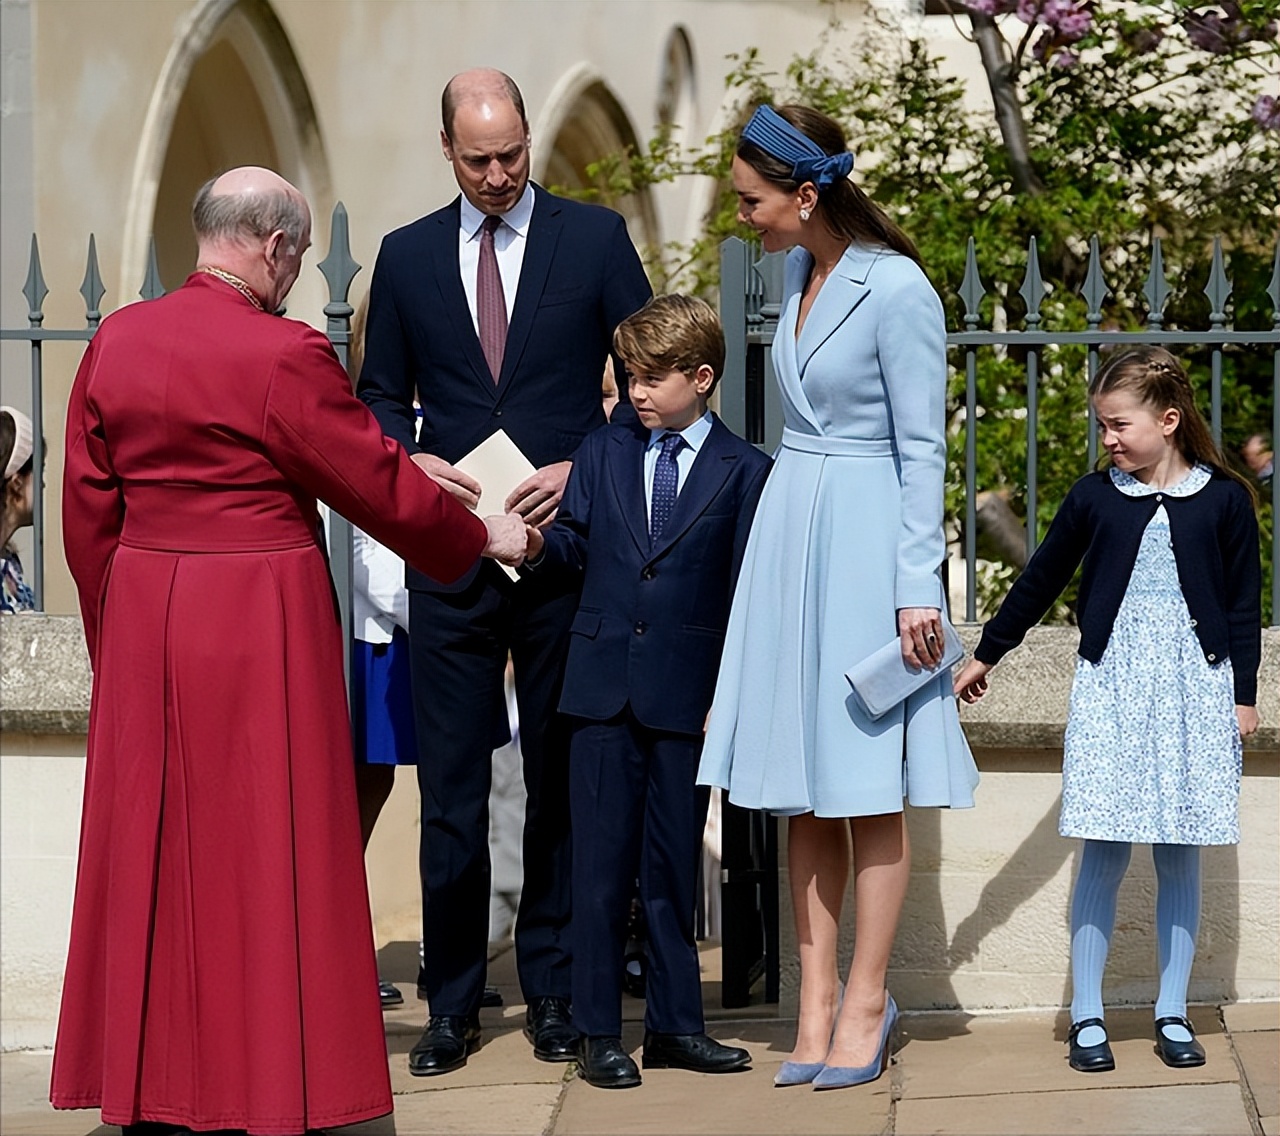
{"points": [[971, 682]]}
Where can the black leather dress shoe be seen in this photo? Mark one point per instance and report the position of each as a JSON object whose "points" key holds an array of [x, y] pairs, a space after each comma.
{"points": [[444, 1045], [1178, 1054], [694, 1051], [389, 995], [1089, 1058], [548, 1025], [604, 1063]]}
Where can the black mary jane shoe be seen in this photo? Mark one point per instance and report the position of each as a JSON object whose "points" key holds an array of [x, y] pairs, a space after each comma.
{"points": [[1089, 1058], [1178, 1054]]}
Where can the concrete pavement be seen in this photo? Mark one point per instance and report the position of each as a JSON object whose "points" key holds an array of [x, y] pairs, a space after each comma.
{"points": [[953, 1073]]}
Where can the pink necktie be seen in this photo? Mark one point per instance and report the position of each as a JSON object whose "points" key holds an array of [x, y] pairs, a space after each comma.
{"points": [[491, 303]]}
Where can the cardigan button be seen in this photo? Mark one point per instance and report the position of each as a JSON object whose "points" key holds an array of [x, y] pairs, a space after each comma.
{"points": [[1213, 658], [1159, 496], [1193, 623]]}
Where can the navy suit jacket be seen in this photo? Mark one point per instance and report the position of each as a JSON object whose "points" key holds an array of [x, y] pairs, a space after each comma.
{"points": [[650, 625], [581, 276]]}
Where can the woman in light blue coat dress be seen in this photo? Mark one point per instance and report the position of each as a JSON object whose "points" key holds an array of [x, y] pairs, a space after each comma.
{"points": [[845, 554]]}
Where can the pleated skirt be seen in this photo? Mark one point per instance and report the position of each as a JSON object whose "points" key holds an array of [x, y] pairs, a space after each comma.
{"points": [[816, 595]]}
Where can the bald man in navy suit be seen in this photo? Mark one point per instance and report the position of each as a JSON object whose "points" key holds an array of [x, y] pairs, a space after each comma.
{"points": [[496, 312]]}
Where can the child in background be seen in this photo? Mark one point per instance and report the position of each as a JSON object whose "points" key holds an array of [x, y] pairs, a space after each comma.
{"points": [[1165, 687]]}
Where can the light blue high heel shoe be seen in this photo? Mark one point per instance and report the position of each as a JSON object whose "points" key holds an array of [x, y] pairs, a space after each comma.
{"points": [[843, 1076], [797, 1072], [803, 1072]]}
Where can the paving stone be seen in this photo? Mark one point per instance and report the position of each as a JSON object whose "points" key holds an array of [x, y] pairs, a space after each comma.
{"points": [[953, 1055], [1270, 1125], [509, 1109], [1244, 1017], [1259, 1053], [1196, 1110]]}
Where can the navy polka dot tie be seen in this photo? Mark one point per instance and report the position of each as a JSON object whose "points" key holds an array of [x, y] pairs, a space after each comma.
{"points": [[666, 479]]}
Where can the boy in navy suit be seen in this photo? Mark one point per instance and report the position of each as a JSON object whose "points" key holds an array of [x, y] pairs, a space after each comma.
{"points": [[654, 521]]}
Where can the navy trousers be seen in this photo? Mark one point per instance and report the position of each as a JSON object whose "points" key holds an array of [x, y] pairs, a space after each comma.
{"points": [[636, 813], [459, 643]]}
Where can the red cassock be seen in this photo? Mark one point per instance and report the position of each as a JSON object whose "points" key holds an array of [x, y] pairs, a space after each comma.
{"points": [[221, 971]]}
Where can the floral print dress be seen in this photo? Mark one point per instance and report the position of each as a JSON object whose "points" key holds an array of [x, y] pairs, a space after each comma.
{"points": [[1152, 752]]}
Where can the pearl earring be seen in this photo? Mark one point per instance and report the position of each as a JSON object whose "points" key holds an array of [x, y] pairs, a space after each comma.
{"points": [[804, 214]]}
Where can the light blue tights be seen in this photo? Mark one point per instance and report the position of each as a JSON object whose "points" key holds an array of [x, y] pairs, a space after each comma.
{"points": [[1103, 864]]}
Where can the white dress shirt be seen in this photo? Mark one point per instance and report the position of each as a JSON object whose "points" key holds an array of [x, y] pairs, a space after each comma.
{"points": [[693, 436], [509, 241]]}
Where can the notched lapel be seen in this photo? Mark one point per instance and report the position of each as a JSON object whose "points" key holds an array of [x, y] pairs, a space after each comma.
{"points": [[626, 471], [544, 232], [443, 264], [838, 298]]}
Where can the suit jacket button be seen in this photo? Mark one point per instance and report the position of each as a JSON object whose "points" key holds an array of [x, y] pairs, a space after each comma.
{"points": [[641, 628], [648, 574], [497, 413]]}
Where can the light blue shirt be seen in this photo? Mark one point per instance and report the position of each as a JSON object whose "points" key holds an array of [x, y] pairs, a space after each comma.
{"points": [[693, 436]]}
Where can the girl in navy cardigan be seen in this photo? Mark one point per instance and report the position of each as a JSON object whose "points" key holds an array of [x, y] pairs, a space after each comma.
{"points": [[1166, 683]]}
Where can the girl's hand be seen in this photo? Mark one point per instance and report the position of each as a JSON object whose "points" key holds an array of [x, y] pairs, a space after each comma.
{"points": [[971, 683], [1247, 719], [921, 631]]}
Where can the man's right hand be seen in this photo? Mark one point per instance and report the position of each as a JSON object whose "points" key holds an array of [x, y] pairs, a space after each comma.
{"points": [[507, 539], [464, 487]]}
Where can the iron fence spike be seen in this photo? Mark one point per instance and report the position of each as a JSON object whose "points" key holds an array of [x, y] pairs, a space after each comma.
{"points": [[1219, 287], [1273, 289], [152, 286], [339, 268], [1033, 290], [35, 289], [972, 290], [1094, 290], [1156, 289], [91, 288]]}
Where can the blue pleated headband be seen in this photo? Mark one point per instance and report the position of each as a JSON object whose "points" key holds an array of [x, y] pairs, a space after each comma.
{"points": [[809, 162]]}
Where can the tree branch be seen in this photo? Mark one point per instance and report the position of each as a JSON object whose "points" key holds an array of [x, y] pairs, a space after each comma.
{"points": [[1004, 94]]}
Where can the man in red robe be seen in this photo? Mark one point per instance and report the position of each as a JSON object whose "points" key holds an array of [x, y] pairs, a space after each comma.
{"points": [[221, 971]]}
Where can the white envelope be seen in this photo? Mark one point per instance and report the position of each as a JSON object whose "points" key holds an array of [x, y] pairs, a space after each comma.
{"points": [[499, 466]]}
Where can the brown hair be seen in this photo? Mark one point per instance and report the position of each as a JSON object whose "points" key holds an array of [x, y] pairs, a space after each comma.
{"points": [[672, 333], [845, 209], [1158, 380]]}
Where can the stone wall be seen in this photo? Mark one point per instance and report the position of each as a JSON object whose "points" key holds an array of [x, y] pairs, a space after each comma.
{"points": [[986, 919]]}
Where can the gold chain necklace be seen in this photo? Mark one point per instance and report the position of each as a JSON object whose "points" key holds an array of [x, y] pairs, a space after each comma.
{"points": [[235, 282]]}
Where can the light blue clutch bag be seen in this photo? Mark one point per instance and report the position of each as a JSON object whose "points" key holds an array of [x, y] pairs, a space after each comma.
{"points": [[882, 679]]}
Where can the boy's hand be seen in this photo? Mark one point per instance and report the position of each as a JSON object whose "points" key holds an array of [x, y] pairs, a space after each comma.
{"points": [[1247, 720], [971, 683], [536, 543]]}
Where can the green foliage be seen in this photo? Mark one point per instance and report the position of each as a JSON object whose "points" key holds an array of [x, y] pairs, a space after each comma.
{"points": [[1144, 136]]}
